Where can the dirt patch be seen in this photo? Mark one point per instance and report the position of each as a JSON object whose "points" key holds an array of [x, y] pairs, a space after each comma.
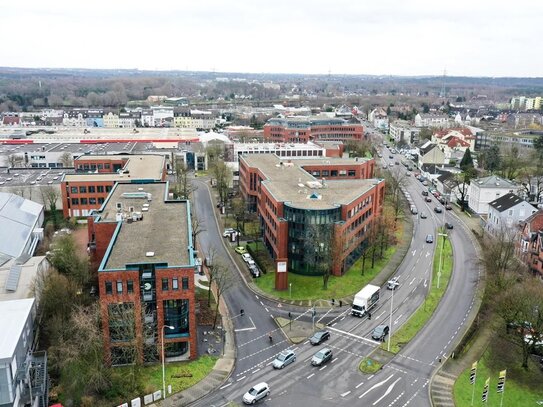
{"points": [[81, 237]]}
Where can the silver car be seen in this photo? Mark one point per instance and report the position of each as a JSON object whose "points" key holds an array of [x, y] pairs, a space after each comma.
{"points": [[285, 358], [321, 357], [256, 393]]}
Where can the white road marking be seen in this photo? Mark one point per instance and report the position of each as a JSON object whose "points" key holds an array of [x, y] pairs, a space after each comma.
{"points": [[427, 254], [311, 375], [306, 342], [397, 319], [359, 384], [376, 385], [267, 310], [324, 367], [388, 391], [245, 329], [412, 281], [414, 251], [225, 386], [425, 283], [354, 336], [253, 372], [380, 315], [346, 393], [241, 378]]}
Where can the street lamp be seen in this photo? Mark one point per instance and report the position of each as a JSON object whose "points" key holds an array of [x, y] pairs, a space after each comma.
{"points": [[163, 366], [441, 256], [390, 323]]}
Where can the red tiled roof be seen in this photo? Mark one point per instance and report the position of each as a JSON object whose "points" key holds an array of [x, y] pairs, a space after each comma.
{"points": [[456, 142], [11, 120]]}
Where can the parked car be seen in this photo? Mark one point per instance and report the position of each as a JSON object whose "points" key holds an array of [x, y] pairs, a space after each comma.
{"points": [[429, 238], [380, 332], [449, 225], [425, 183], [319, 337], [428, 199], [285, 358], [321, 357], [228, 231], [423, 215], [393, 283], [437, 209], [240, 250], [253, 269], [256, 393], [424, 193], [391, 157], [448, 207], [246, 257]]}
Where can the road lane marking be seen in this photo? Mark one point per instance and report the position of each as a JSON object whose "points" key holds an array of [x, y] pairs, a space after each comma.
{"points": [[311, 375], [388, 391], [244, 329], [380, 315], [346, 393], [425, 283], [320, 319], [397, 319], [225, 386], [253, 372], [414, 251], [412, 281], [354, 336], [324, 367], [359, 384], [241, 378], [376, 385]]}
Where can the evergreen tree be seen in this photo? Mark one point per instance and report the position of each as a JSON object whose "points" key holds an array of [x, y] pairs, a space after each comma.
{"points": [[467, 161]]}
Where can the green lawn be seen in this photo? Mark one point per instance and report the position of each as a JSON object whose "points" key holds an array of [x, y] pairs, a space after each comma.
{"points": [[311, 288], [522, 387], [426, 310], [369, 366]]}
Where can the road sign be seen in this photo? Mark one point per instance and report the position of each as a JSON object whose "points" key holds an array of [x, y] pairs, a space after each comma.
{"points": [[473, 373], [485, 390], [501, 381]]}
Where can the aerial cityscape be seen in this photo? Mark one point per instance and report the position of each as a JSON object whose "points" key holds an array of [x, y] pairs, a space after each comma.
{"points": [[308, 204]]}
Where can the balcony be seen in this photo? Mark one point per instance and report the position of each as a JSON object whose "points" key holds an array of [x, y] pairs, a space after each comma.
{"points": [[34, 380]]}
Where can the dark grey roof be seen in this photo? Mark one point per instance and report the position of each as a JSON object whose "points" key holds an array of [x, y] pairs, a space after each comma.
{"points": [[505, 202]]}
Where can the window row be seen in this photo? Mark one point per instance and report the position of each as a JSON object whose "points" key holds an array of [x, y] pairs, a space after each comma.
{"points": [[175, 284], [87, 201], [90, 189], [119, 286], [86, 167]]}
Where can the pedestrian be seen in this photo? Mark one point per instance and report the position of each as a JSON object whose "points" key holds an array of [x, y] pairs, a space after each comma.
{"points": [[270, 337], [369, 315], [340, 303], [241, 312], [333, 301]]}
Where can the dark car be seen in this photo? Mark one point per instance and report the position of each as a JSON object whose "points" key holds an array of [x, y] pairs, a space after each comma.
{"points": [[319, 337], [449, 225], [448, 207], [424, 193], [442, 201], [380, 333], [437, 209], [423, 215], [391, 157], [428, 199]]}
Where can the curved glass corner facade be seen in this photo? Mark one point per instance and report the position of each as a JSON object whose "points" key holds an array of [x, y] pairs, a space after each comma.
{"points": [[300, 223]]}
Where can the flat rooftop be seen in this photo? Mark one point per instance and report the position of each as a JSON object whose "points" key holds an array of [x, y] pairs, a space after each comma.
{"points": [[163, 230], [13, 316], [144, 166], [27, 278], [291, 184]]}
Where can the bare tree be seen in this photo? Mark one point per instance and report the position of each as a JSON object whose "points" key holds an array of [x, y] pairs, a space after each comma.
{"points": [[512, 161], [15, 160], [521, 307], [395, 180], [239, 210], [183, 185], [197, 227], [223, 281], [223, 176], [66, 159]]}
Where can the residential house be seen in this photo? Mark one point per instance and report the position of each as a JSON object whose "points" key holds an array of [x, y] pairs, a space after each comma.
{"points": [[482, 191], [431, 120], [531, 243], [379, 118], [111, 120], [147, 118], [75, 118], [23, 371], [402, 132], [95, 118], [506, 212], [430, 153]]}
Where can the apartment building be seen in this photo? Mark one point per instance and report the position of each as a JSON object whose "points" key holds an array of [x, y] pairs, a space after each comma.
{"points": [[95, 176], [482, 191], [141, 244], [403, 131], [307, 205], [531, 243], [313, 128]]}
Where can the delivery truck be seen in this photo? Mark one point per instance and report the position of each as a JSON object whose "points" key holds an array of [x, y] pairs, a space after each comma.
{"points": [[365, 300]]}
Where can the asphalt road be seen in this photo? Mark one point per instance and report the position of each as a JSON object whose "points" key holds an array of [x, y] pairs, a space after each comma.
{"points": [[401, 382]]}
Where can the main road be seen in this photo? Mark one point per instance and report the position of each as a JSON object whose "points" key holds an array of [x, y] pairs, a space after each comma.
{"points": [[401, 382]]}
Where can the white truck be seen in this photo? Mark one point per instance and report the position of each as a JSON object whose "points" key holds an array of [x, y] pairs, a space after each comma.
{"points": [[365, 300]]}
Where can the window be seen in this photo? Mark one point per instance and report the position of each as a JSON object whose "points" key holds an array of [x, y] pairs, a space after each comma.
{"points": [[82, 190], [109, 287], [185, 283], [100, 188], [92, 189], [130, 286], [108, 188], [352, 173], [75, 201], [119, 286], [165, 284], [106, 166], [83, 201], [175, 283], [100, 200], [73, 190]]}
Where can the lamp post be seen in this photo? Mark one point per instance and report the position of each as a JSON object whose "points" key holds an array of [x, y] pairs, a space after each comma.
{"points": [[441, 256], [390, 323], [163, 365]]}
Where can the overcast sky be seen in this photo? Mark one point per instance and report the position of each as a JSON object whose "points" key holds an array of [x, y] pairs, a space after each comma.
{"points": [[396, 37]]}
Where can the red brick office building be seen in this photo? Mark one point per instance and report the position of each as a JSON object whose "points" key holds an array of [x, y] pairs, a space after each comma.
{"points": [[142, 244], [95, 176], [292, 195], [314, 128]]}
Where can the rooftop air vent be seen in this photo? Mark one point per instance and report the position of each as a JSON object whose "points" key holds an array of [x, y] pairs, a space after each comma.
{"points": [[149, 254]]}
